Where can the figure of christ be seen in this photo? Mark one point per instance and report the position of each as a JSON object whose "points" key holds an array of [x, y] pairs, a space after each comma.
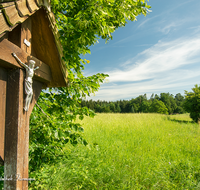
{"points": [[28, 80]]}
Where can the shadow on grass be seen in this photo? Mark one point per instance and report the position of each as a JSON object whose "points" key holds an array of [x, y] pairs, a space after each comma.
{"points": [[180, 121]]}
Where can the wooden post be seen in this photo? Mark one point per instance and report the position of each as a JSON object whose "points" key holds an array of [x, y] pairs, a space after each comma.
{"points": [[3, 86], [17, 131]]}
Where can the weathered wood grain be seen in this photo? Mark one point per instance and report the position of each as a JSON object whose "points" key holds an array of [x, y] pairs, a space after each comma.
{"points": [[4, 26], [8, 61], [5, 1], [15, 127], [58, 44], [46, 49], [22, 8], [11, 14], [26, 35], [3, 88], [7, 4], [39, 3], [32, 5], [17, 130]]}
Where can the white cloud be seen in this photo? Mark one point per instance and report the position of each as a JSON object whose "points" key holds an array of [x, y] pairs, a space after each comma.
{"points": [[166, 29], [162, 57], [169, 66]]}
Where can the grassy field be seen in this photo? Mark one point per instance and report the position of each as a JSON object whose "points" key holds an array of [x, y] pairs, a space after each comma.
{"points": [[133, 151]]}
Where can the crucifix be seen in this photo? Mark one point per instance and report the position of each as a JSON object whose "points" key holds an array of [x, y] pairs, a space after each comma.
{"points": [[30, 60], [28, 81]]}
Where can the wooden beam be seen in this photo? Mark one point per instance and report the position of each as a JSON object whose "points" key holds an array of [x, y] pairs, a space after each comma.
{"points": [[31, 4], [26, 36], [8, 61], [22, 8], [46, 48], [3, 87], [14, 119], [17, 131], [4, 26], [11, 14]]}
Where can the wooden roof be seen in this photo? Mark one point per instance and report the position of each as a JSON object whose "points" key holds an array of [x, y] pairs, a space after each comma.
{"points": [[45, 39]]}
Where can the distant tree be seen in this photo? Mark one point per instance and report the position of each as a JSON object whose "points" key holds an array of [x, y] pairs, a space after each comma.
{"points": [[179, 102], [98, 108], [192, 103], [168, 100], [158, 106], [83, 103], [91, 104], [118, 109], [122, 104], [135, 106], [132, 110], [106, 108], [156, 97], [138, 104], [179, 110], [145, 106], [179, 99], [152, 97], [112, 107]]}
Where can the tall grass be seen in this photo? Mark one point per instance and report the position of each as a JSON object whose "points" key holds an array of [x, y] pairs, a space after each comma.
{"points": [[133, 151]]}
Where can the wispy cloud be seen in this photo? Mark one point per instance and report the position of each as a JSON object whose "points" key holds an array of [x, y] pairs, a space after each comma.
{"points": [[165, 63], [167, 28], [162, 57]]}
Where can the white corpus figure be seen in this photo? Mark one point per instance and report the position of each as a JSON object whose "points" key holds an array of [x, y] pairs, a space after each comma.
{"points": [[28, 80]]}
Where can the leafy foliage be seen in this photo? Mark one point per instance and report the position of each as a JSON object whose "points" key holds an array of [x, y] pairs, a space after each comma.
{"points": [[192, 103], [169, 101], [158, 106]]}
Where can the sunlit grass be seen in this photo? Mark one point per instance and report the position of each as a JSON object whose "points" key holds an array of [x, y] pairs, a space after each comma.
{"points": [[134, 151]]}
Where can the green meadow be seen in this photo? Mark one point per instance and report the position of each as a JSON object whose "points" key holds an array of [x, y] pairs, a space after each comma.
{"points": [[133, 151]]}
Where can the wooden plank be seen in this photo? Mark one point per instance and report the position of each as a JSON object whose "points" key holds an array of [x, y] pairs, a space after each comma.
{"points": [[32, 5], [3, 87], [11, 14], [4, 26], [39, 2], [8, 61], [14, 119], [46, 50], [5, 1], [22, 8], [37, 87], [26, 36], [7, 4], [17, 130], [58, 44]]}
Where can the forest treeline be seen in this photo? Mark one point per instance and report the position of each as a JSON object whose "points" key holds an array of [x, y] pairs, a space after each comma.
{"points": [[164, 103]]}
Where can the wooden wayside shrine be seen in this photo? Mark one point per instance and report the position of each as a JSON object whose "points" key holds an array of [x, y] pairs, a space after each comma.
{"points": [[27, 29]]}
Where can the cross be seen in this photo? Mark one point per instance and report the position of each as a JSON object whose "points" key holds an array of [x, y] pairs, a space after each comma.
{"points": [[28, 81], [21, 89], [29, 44]]}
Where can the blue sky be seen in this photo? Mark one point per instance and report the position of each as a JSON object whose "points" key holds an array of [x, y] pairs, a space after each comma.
{"points": [[157, 53]]}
